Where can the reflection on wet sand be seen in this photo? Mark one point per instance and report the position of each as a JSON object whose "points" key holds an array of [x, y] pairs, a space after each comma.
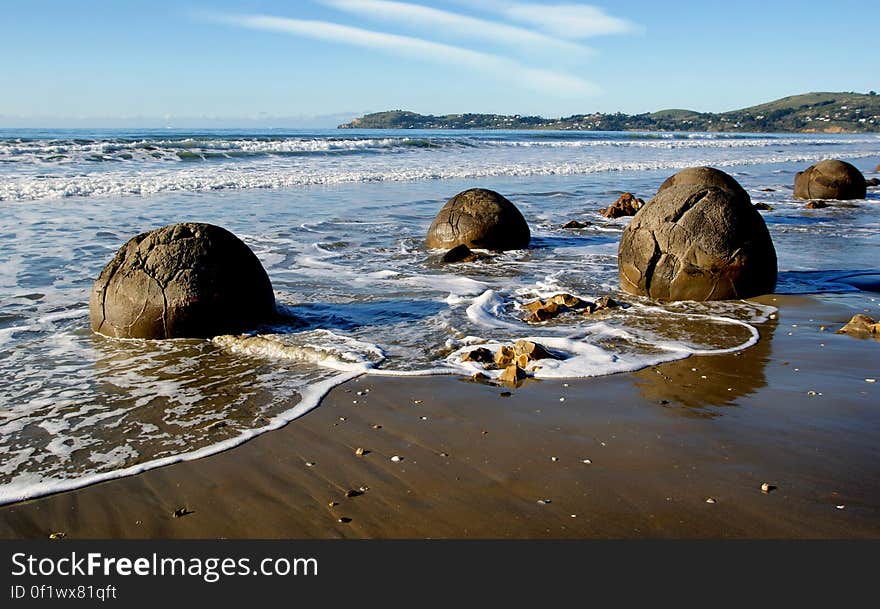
{"points": [[715, 381]]}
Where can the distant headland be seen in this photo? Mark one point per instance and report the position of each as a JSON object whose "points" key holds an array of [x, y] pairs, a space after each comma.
{"points": [[807, 113]]}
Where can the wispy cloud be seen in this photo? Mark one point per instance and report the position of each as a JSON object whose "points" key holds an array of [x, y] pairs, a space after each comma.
{"points": [[446, 22], [548, 82], [573, 21]]}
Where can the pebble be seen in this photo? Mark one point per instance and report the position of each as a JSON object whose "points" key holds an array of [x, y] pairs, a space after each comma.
{"points": [[561, 399], [544, 501], [587, 461], [341, 418], [377, 426], [360, 452], [424, 418], [57, 535], [344, 520], [354, 401], [710, 500], [766, 487], [812, 393], [870, 380], [417, 401], [840, 507], [505, 394], [333, 503], [310, 464], [181, 512], [397, 458], [574, 515], [554, 458], [444, 454], [360, 393], [353, 493]]}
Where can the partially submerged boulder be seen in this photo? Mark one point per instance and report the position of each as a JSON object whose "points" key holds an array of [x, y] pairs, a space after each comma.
{"points": [[573, 224], [830, 179], [187, 280], [479, 218], [480, 354], [626, 205], [461, 253], [872, 182], [816, 205], [761, 206], [697, 241]]}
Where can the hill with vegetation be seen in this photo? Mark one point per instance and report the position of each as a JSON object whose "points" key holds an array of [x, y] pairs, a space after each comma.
{"points": [[807, 113]]}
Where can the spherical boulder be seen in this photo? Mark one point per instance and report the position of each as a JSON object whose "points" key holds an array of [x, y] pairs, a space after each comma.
{"points": [[831, 179], [697, 242], [186, 280], [479, 219], [703, 176]]}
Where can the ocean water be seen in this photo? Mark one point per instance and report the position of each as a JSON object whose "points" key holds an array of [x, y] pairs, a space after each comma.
{"points": [[338, 220]]}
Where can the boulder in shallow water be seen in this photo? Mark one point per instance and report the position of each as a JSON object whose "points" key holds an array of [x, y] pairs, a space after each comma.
{"points": [[763, 206], [872, 182], [187, 280], [830, 179], [479, 218], [697, 242], [480, 354]]}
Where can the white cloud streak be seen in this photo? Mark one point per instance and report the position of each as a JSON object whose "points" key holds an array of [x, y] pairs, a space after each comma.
{"points": [[446, 22], [571, 21], [547, 82]]}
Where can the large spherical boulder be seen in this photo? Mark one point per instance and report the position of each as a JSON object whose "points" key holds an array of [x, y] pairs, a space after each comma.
{"points": [[481, 219], [703, 176], [181, 281], [830, 179], [697, 242]]}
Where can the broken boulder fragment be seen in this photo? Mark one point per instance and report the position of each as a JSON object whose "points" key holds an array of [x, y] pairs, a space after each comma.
{"points": [[626, 205]]}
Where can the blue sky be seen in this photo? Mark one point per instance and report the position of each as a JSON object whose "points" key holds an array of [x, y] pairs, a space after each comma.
{"points": [[313, 62]]}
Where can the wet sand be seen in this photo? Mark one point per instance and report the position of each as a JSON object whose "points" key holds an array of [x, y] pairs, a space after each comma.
{"points": [[478, 463]]}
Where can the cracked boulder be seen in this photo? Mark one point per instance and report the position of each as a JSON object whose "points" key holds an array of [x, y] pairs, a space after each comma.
{"points": [[479, 219], [181, 281], [697, 242], [831, 179], [704, 176]]}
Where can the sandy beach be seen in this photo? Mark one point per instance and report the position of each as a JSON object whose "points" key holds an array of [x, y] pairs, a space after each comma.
{"points": [[679, 450]]}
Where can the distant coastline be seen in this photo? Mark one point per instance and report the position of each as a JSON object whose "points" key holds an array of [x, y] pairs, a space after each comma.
{"points": [[806, 113]]}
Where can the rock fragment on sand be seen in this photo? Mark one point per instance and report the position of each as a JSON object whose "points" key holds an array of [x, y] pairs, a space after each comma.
{"points": [[57, 535], [531, 350], [710, 500], [181, 512], [512, 374], [861, 325], [360, 452], [343, 520], [353, 493], [397, 458], [542, 310], [766, 487]]}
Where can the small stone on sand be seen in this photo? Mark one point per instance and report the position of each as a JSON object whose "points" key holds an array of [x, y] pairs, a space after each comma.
{"points": [[710, 500], [360, 452], [397, 459], [57, 535], [766, 487]]}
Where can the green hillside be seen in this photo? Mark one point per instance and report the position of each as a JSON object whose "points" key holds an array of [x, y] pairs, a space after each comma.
{"points": [[807, 113]]}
